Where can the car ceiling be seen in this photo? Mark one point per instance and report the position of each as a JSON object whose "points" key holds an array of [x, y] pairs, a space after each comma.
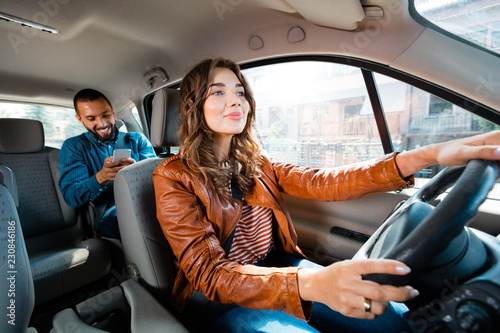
{"points": [[110, 45]]}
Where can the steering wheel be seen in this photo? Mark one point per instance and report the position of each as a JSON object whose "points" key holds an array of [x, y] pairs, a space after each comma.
{"points": [[433, 240]]}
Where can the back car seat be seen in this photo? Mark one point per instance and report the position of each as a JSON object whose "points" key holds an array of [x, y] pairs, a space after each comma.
{"points": [[61, 259]]}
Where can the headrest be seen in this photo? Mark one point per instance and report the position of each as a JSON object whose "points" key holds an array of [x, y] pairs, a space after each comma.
{"points": [[21, 136], [8, 179], [165, 118], [120, 124]]}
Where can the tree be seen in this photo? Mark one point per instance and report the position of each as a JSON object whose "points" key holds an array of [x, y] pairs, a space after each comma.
{"points": [[485, 125], [42, 113]]}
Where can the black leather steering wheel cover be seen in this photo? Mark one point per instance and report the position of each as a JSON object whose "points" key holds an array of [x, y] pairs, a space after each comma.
{"points": [[433, 234]]}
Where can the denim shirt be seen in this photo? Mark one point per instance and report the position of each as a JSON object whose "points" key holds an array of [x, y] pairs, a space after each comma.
{"points": [[82, 156]]}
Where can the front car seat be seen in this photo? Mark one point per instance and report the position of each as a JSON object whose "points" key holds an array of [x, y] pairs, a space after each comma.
{"points": [[16, 284], [147, 252]]}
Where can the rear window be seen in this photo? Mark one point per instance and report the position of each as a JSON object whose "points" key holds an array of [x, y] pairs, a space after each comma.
{"points": [[59, 123]]}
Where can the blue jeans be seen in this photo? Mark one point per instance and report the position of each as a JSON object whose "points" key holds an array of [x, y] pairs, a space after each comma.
{"points": [[232, 318], [108, 225], [323, 319]]}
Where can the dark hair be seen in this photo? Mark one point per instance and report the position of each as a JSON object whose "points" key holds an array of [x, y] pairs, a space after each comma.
{"points": [[88, 95], [196, 138]]}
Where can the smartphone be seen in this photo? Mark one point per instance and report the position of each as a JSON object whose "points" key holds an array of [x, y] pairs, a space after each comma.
{"points": [[119, 154]]}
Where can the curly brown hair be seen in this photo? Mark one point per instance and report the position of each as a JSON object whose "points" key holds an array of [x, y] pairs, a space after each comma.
{"points": [[197, 139]]}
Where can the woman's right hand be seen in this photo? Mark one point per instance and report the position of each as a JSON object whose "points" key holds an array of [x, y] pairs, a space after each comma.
{"points": [[341, 286]]}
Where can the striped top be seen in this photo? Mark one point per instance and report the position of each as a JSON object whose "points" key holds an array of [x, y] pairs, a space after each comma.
{"points": [[253, 237]]}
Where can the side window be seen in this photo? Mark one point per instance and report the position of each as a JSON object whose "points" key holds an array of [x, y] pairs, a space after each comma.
{"points": [[314, 114], [417, 118], [318, 114], [137, 117], [58, 123]]}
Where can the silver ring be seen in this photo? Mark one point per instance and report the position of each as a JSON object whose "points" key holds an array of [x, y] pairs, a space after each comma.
{"points": [[368, 305]]}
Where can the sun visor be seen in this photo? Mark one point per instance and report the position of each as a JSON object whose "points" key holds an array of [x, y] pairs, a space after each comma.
{"points": [[338, 14]]}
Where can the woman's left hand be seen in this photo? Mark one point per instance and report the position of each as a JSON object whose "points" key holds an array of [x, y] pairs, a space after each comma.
{"points": [[456, 152]]}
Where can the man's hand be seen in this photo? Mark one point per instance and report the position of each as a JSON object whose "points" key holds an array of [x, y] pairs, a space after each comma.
{"points": [[110, 168]]}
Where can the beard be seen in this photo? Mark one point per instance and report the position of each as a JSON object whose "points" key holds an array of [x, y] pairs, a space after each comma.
{"points": [[103, 137]]}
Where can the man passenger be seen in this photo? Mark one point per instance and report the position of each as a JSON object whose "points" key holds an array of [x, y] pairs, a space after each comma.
{"points": [[87, 170]]}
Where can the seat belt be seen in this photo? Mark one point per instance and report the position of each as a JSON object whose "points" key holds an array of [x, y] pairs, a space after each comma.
{"points": [[120, 142], [101, 208]]}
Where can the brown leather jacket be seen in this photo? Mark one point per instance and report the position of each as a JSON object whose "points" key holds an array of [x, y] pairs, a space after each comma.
{"points": [[196, 220]]}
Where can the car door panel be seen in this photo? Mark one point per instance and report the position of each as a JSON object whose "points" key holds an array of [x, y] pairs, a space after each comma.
{"points": [[314, 220]]}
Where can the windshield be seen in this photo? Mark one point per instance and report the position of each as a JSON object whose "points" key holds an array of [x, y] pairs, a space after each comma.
{"points": [[477, 21]]}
